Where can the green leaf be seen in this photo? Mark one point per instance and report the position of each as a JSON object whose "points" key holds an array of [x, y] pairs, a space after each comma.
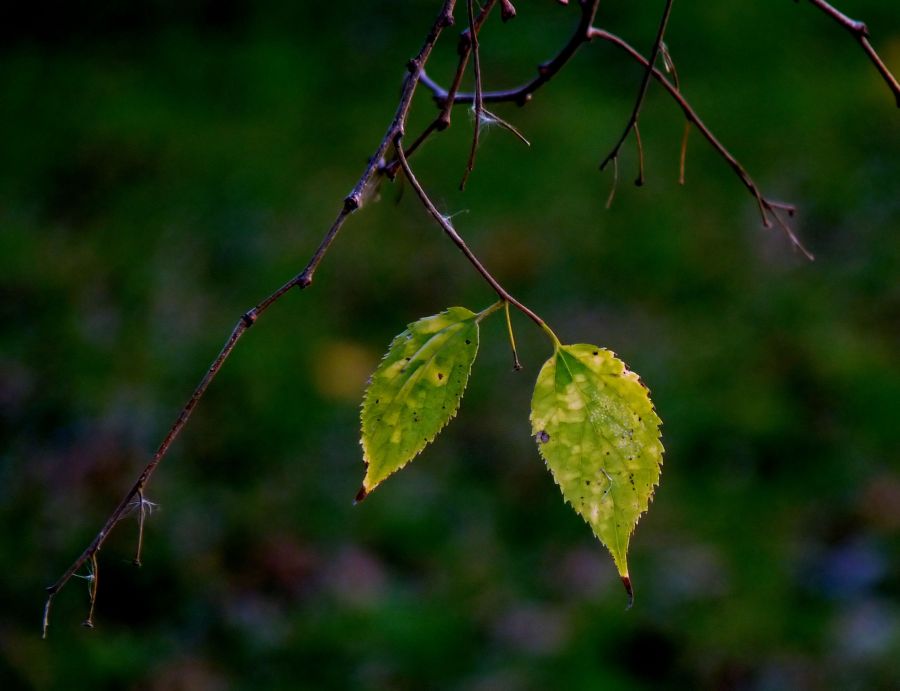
{"points": [[599, 434], [416, 390]]}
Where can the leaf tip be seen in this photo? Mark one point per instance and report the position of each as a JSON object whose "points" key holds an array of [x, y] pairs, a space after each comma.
{"points": [[362, 494], [626, 581]]}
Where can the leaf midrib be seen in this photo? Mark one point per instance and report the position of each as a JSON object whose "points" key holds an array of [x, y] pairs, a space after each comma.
{"points": [[587, 400]]}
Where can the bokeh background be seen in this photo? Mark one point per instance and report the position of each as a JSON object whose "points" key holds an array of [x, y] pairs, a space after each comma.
{"points": [[165, 165]]}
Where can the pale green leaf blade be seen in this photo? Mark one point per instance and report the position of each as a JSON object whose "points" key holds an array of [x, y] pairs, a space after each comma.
{"points": [[598, 432], [416, 390]]}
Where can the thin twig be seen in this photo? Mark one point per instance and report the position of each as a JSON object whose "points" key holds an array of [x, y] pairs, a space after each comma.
{"points": [[860, 32], [451, 232], [682, 158], [141, 517], [546, 71], [671, 69], [93, 581], [766, 206], [615, 184], [442, 121], [642, 92], [304, 279], [478, 107], [517, 366], [639, 180]]}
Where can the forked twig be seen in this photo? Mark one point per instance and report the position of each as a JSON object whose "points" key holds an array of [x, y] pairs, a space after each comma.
{"points": [[767, 207], [642, 93], [442, 121], [545, 71], [457, 240]]}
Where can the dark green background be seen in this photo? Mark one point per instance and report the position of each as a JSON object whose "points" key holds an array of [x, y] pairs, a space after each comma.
{"points": [[165, 165]]}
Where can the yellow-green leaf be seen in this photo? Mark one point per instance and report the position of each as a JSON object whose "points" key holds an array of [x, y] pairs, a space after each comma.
{"points": [[598, 432], [415, 391]]}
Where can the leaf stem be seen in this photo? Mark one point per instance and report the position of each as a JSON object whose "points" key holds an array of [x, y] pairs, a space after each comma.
{"points": [[517, 366], [547, 330], [457, 240], [490, 310]]}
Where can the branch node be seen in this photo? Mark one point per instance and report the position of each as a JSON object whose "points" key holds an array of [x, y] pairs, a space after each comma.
{"points": [[507, 10], [304, 280], [465, 42], [249, 317], [352, 202]]}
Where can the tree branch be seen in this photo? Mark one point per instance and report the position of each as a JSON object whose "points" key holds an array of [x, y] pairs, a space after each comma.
{"points": [[642, 93], [479, 103], [766, 206], [860, 32], [546, 71], [442, 121], [769, 209], [304, 279], [454, 236]]}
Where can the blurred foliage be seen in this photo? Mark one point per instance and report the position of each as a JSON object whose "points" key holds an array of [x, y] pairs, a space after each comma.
{"points": [[164, 165]]}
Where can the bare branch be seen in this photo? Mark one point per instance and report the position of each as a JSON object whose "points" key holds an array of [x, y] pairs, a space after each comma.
{"points": [[767, 207], [304, 279], [642, 93], [860, 32], [546, 71], [479, 104], [442, 121], [454, 236]]}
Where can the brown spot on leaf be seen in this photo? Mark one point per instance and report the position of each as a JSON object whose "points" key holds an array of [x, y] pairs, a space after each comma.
{"points": [[543, 437]]}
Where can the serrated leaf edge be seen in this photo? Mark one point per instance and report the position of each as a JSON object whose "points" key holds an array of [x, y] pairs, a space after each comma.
{"points": [[637, 379], [365, 489]]}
